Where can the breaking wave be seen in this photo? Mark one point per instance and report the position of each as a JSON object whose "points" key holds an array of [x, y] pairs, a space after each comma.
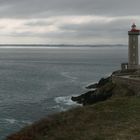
{"points": [[65, 100]]}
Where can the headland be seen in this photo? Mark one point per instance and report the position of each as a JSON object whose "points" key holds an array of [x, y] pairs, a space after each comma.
{"points": [[110, 108], [110, 111]]}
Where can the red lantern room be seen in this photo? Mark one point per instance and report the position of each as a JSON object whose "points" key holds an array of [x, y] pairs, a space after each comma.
{"points": [[134, 29]]}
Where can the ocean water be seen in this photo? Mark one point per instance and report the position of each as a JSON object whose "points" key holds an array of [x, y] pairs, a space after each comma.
{"points": [[38, 81]]}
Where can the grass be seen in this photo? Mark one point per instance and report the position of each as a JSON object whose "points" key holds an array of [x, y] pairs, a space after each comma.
{"points": [[115, 119]]}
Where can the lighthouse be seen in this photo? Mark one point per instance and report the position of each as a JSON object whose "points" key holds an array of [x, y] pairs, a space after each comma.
{"points": [[133, 48]]}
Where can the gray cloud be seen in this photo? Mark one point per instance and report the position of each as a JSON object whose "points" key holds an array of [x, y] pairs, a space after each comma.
{"points": [[114, 28], [38, 23], [53, 19], [45, 8]]}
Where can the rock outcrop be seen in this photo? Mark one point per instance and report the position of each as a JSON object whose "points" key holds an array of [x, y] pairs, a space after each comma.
{"points": [[103, 90]]}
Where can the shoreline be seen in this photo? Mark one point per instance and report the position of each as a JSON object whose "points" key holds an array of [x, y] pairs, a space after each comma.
{"points": [[105, 92]]}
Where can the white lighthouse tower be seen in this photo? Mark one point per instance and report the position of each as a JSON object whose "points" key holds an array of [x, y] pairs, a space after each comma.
{"points": [[133, 48]]}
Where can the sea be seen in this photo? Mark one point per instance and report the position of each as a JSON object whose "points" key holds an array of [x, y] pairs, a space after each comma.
{"points": [[36, 81]]}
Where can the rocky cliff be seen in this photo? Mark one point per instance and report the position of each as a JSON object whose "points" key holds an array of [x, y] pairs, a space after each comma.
{"points": [[102, 91], [115, 118]]}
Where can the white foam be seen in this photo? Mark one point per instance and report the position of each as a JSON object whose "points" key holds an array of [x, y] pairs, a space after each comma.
{"points": [[69, 76], [26, 122], [11, 121], [65, 100], [108, 74]]}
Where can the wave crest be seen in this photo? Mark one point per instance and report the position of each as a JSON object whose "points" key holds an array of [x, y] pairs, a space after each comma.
{"points": [[66, 100]]}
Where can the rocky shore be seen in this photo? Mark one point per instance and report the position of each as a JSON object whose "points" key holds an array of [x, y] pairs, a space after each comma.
{"points": [[110, 119], [98, 92], [102, 91]]}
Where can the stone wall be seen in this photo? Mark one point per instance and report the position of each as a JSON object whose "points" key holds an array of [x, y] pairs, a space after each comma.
{"points": [[132, 83]]}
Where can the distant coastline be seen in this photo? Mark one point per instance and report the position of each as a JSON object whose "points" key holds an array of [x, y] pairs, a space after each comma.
{"points": [[66, 45]]}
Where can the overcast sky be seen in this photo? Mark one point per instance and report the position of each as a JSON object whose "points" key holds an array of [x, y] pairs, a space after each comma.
{"points": [[67, 21]]}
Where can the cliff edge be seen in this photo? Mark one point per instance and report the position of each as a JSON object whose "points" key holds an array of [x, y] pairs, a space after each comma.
{"points": [[110, 112]]}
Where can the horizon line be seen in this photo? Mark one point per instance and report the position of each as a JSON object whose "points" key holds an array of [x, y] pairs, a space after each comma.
{"points": [[30, 44]]}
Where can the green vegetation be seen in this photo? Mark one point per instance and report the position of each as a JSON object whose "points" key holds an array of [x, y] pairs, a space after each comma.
{"points": [[118, 118]]}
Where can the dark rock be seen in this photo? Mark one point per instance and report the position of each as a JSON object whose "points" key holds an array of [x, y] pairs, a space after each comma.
{"points": [[104, 89], [100, 94], [84, 98], [102, 82]]}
